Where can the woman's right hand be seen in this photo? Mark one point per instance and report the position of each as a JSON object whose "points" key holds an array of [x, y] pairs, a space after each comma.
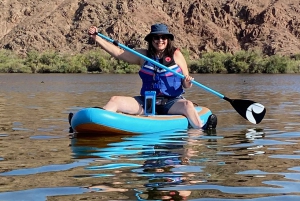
{"points": [[93, 32]]}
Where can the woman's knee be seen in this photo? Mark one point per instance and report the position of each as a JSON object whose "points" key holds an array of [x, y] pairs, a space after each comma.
{"points": [[187, 108], [114, 99], [188, 105]]}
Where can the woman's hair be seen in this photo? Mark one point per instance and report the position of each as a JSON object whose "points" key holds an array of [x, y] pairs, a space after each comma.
{"points": [[169, 51]]}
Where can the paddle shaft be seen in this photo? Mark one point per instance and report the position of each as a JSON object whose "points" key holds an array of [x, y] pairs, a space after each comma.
{"points": [[250, 110], [162, 66]]}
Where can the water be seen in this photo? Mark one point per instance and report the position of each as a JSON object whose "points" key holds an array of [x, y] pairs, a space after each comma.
{"points": [[39, 160]]}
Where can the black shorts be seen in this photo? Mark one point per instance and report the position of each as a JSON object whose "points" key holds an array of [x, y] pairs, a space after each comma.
{"points": [[163, 104]]}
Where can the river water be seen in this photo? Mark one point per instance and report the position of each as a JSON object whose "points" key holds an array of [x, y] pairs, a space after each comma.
{"points": [[40, 160]]}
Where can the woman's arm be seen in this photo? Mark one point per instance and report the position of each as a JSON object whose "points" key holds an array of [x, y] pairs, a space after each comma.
{"points": [[181, 62], [115, 51]]}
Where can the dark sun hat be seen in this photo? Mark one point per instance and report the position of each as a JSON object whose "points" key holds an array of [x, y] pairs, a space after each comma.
{"points": [[159, 29]]}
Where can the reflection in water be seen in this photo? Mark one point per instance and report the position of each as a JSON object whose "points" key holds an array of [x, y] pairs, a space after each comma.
{"points": [[164, 169], [43, 169], [161, 160], [159, 153], [4, 122], [41, 194], [176, 166]]}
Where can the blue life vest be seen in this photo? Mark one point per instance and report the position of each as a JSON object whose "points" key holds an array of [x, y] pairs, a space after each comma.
{"points": [[165, 83]]}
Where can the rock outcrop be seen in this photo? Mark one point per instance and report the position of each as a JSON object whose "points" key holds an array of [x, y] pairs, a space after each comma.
{"points": [[271, 26]]}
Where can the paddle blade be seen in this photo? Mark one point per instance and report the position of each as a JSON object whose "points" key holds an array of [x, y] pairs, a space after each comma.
{"points": [[250, 110]]}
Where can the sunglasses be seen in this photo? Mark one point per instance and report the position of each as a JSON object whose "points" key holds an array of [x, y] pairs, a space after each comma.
{"points": [[157, 37]]}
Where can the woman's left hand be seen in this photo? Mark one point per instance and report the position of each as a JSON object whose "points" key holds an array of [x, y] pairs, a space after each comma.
{"points": [[188, 81]]}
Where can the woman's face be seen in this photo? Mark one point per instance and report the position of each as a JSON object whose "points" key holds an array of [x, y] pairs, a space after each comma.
{"points": [[160, 41]]}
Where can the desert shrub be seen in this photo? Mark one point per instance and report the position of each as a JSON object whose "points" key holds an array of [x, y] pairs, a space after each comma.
{"points": [[251, 61], [99, 61], [75, 64], [96, 61], [54, 62], [51, 62], [296, 57], [122, 67], [32, 60], [211, 62], [279, 64], [237, 63], [186, 54], [11, 63]]}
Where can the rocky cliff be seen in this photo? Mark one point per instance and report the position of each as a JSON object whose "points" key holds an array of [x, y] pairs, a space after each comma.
{"points": [[273, 26]]}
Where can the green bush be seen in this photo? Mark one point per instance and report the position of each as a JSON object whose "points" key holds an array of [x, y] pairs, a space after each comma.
{"points": [[11, 63], [75, 64], [186, 54], [32, 61], [122, 67], [51, 62], [245, 62], [280, 64], [211, 62], [95, 61], [101, 62]]}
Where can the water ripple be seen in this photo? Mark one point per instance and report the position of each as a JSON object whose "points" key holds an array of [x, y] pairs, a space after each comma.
{"points": [[40, 194], [48, 168], [279, 187]]}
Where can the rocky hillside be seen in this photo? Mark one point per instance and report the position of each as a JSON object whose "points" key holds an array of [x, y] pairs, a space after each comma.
{"points": [[272, 26]]}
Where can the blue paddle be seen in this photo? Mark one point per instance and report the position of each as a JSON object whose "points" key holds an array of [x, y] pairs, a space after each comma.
{"points": [[250, 110]]}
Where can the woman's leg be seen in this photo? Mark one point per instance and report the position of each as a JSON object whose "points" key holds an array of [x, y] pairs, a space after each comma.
{"points": [[186, 108], [124, 104]]}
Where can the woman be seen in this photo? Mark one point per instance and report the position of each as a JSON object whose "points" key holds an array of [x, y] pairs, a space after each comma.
{"points": [[168, 87]]}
